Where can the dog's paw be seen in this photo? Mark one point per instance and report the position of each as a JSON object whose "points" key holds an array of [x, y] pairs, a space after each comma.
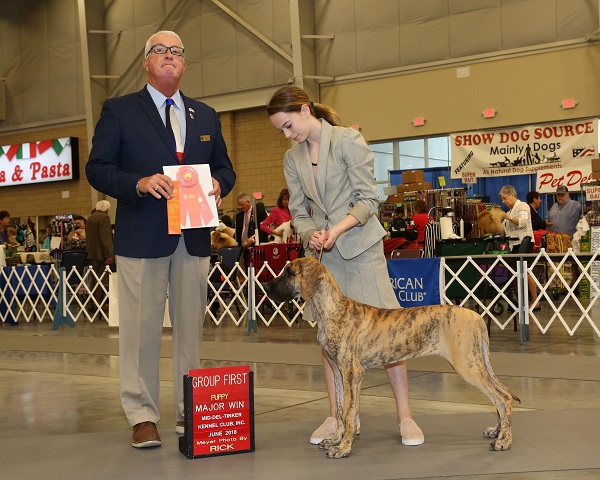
{"points": [[501, 444], [491, 432], [338, 451], [325, 444], [331, 442]]}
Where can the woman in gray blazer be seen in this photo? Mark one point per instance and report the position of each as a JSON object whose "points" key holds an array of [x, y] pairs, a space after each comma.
{"points": [[333, 202]]}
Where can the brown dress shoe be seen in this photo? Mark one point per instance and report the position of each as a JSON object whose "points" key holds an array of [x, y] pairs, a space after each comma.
{"points": [[145, 435]]}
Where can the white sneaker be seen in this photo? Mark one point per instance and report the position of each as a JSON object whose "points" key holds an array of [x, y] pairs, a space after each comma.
{"points": [[180, 428], [411, 433], [325, 431]]}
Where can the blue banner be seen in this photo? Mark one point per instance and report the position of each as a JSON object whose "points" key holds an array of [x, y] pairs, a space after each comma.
{"points": [[416, 281]]}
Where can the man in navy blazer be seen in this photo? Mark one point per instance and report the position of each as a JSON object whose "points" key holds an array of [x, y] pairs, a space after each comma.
{"points": [[129, 149]]}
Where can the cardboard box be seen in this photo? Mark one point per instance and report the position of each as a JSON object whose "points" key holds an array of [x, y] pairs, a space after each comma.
{"points": [[394, 199], [413, 176], [596, 175], [595, 165], [415, 187]]}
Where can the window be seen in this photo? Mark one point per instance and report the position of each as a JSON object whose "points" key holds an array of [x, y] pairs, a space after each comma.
{"points": [[411, 154], [384, 162], [438, 152]]}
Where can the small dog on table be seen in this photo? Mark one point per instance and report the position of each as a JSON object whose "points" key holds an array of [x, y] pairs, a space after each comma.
{"points": [[355, 336], [288, 231], [490, 221]]}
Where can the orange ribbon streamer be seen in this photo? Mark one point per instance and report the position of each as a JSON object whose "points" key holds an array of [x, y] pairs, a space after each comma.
{"points": [[173, 211]]}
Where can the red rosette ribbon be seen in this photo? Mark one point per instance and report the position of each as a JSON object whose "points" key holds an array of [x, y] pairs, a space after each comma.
{"points": [[187, 177], [192, 198]]}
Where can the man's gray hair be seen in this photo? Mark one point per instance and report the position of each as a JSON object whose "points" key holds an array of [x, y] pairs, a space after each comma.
{"points": [[103, 206], [165, 32]]}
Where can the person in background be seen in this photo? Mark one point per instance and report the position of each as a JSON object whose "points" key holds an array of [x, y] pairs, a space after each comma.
{"points": [[333, 202], [48, 238], [420, 218], [4, 224], [565, 213], [402, 227], [80, 221], [99, 243], [534, 200], [517, 226], [136, 136], [278, 215], [245, 224]]}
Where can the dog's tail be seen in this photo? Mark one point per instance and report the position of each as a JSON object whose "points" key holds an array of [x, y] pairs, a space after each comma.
{"points": [[485, 350]]}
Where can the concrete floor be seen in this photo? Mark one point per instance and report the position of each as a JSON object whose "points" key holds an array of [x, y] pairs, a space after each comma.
{"points": [[60, 410]]}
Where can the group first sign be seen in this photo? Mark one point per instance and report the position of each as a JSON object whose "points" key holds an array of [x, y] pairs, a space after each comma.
{"points": [[39, 162], [219, 412]]}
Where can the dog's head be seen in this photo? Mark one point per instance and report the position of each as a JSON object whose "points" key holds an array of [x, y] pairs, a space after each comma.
{"points": [[300, 278], [219, 240], [490, 221]]}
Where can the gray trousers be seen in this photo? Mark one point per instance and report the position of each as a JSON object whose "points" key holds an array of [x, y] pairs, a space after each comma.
{"points": [[143, 286]]}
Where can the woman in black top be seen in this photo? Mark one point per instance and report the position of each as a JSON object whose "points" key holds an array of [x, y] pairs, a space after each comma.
{"points": [[534, 201]]}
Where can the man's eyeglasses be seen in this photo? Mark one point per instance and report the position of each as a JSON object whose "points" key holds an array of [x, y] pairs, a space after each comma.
{"points": [[161, 49]]}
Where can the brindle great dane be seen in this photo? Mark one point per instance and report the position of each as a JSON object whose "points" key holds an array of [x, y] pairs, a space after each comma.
{"points": [[356, 336]]}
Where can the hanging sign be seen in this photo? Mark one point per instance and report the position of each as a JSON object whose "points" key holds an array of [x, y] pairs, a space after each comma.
{"points": [[39, 162], [524, 150], [571, 177], [416, 281], [219, 412], [592, 193], [469, 177]]}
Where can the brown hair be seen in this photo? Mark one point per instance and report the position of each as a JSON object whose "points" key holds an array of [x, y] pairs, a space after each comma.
{"points": [[420, 206], [284, 193], [291, 98]]}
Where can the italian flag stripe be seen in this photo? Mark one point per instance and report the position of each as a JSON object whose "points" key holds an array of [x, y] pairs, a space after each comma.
{"points": [[44, 145], [12, 151]]}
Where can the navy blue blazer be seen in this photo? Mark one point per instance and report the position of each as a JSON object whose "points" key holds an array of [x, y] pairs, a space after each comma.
{"points": [[130, 142]]}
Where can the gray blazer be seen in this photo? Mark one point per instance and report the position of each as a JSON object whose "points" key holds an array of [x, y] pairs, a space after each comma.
{"points": [[345, 180]]}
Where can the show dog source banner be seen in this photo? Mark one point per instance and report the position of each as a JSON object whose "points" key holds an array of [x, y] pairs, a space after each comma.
{"points": [[416, 281], [559, 153], [39, 162], [219, 412]]}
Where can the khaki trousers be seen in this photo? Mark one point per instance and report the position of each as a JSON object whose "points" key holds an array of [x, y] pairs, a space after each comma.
{"points": [[143, 286]]}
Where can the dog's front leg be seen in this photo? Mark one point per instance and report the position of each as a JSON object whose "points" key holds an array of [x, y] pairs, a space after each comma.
{"points": [[339, 402], [347, 402]]}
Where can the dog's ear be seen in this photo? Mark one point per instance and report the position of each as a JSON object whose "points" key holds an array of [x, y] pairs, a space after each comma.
{"points": [[312, 274]]}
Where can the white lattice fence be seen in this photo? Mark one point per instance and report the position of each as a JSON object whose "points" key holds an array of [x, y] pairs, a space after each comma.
{"points": [[489, 284]]}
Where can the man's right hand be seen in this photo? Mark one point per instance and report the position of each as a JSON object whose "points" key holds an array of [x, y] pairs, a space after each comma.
{"points": [[157, 185]]}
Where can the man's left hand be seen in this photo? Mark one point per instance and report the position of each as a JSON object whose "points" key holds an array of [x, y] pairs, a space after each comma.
{"points": [[216, 191]]}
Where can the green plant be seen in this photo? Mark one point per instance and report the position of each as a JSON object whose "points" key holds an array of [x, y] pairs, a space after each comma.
{"points": [[10, 251]]}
